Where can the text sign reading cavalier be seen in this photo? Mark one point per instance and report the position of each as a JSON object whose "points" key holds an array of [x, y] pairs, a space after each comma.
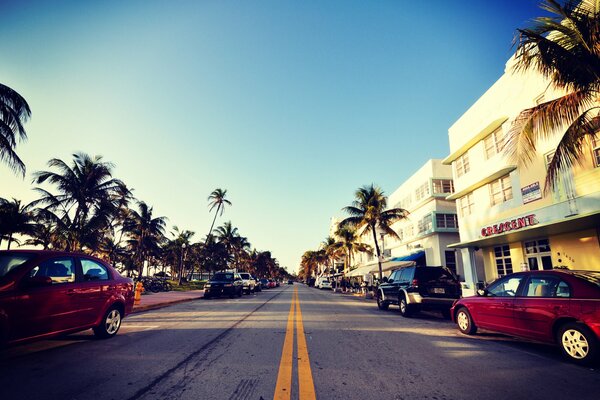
{"points": [[508, 226], [531, 193]]}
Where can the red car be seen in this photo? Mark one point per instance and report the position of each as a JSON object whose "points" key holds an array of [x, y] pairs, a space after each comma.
{"points": [[557, 306], [48, 293]]}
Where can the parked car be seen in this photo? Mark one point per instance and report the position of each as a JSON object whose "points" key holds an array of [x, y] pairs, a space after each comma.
{"points": [[416, 288], [258, 287], [50, 293], [553, 306], [224, 283], [325, 284], [272, 283], [248, 282], [264, 283], [311, 282]]}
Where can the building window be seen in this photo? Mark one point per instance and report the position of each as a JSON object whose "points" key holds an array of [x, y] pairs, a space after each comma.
{"points": [[405, 202], [596, 149], [466, 204], [446, 221], [462, 165], [422, 191], [500, 190], [451, 260], [441, 186], [494, 143], [503, 261], [409, 231], [425, 225]]}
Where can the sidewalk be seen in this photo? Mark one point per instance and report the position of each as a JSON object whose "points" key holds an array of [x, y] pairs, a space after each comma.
{"points": [[163, 299]]}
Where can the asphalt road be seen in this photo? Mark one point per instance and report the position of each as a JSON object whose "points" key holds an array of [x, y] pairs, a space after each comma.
{"points": [[237, 349]]}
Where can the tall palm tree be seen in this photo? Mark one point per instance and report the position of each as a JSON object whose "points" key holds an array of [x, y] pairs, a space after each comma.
{"points": [[369, 212], [564, 49], [14, 112], [217, 199], [332, 251], [87, 195], [349, 243], [146, 232], [15, 218]]}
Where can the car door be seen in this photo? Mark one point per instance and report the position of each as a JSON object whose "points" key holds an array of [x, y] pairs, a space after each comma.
{"points": [[391, 287], [49, 308], [93, 290], [544, 299], [495, 310]]}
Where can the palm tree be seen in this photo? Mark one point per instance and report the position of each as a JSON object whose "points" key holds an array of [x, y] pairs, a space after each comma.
{"points": [[15, 218], [369, 212], [217, 199], [332, 251], [146, 232], [14, 112], [564, 49], [349, 244], [88, 194]]}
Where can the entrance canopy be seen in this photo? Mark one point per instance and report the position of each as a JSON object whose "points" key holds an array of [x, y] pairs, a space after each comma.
{"points": [[373, 267]]}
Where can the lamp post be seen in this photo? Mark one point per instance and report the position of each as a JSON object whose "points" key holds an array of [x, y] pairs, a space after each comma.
{"points": [[181, 263]]}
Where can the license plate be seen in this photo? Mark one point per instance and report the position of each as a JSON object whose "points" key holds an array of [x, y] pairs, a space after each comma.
{"points": [[438, 290]]}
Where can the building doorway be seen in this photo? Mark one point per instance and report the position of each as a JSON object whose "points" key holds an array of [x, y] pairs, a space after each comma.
{"points": [[538, 254]]}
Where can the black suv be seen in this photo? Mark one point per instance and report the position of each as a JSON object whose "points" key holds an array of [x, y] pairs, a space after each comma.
{"points": [[416, 288], [228, 283]]}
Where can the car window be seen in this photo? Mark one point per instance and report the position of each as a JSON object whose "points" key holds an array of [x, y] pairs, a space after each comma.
{"points": [[93, 271], [60, 270], [245, 276], [10, 261], [505, 287], [393, 276], [223, 277], [544, 286], [406, 274], [430, 274]]}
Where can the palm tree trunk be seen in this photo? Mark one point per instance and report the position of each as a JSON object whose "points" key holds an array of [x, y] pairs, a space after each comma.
{"points": [[9, 241], [378, 253], [213, 223]]}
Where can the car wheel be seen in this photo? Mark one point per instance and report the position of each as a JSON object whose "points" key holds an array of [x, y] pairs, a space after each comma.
{"points": [[110, 324], [578, 343], [382, 305], [464, 321], [446, 313], [406, 310]]}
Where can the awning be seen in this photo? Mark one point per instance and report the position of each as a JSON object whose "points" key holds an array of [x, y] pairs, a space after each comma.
{"points": [[410, 257], [373, 267]]}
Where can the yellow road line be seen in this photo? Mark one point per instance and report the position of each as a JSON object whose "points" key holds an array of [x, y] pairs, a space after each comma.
{"points": [[305, 379], [283, 389]]}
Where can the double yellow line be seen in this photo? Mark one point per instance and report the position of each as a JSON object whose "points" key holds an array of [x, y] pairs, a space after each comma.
{"points": [[306, 386]]}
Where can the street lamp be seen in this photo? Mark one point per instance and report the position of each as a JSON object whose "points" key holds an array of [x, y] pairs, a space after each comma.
{"points": [[181, 263]]}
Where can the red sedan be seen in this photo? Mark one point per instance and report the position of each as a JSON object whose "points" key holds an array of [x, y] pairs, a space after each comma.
{"points": [[46, 293], [558, 306]]}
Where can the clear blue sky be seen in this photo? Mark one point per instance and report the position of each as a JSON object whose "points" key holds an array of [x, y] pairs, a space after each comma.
{"points": [[290, 106]]}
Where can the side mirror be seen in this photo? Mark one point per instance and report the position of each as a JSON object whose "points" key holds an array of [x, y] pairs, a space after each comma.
{"points": [[385, 279], [390, 281], [38, 281], [482, 292]]}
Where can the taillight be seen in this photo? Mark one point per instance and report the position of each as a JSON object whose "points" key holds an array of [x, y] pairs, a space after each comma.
{"points": [[415, 282]]}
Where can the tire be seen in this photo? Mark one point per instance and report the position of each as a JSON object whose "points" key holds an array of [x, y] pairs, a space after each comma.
{"points": [[406, 310], [464, 322], [578, 343], [381, 304], [110, 323], [446, 313]]}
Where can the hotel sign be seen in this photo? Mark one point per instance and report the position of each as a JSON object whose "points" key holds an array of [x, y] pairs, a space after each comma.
{"points": [[507, 226], [531, 193]]}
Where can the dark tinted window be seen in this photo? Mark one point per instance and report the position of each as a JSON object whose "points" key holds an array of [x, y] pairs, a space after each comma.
{"points": [[245, 276], [222, 277], [11, 261], [406, 274], [426, 275], [60, 270]]}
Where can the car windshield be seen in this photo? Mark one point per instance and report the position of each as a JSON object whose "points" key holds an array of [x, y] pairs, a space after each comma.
{"points": [[590, 276], [245, 276], [435, 275], [264, 280], [10, 261], [222, 277]]}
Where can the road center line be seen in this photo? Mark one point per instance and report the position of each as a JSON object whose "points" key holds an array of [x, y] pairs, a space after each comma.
{"points": [[283, 389], [305, 379]]}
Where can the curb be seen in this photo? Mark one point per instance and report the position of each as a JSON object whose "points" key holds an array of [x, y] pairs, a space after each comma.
{"points": [[155, 306]]}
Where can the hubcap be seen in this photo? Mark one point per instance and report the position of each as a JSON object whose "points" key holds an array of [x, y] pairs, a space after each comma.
{"points": [[402, 306], [575, 344], [463, 321], [113, 321]]}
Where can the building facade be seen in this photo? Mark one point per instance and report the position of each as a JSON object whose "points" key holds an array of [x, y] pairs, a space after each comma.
{"points": [[508, 220]]}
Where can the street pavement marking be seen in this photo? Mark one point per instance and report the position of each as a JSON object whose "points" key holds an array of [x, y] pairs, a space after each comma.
{"points": [[283, 389], [305, 379], [306, 386]]}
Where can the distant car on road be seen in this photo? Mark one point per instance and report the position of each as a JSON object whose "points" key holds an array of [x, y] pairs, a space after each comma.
{"points": [[290, 282], [416, 288], [50, 293], [552, 306], [224, 283]]}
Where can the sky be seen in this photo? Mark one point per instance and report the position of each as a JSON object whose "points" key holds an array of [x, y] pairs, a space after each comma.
{"points": [[288, 105]]}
